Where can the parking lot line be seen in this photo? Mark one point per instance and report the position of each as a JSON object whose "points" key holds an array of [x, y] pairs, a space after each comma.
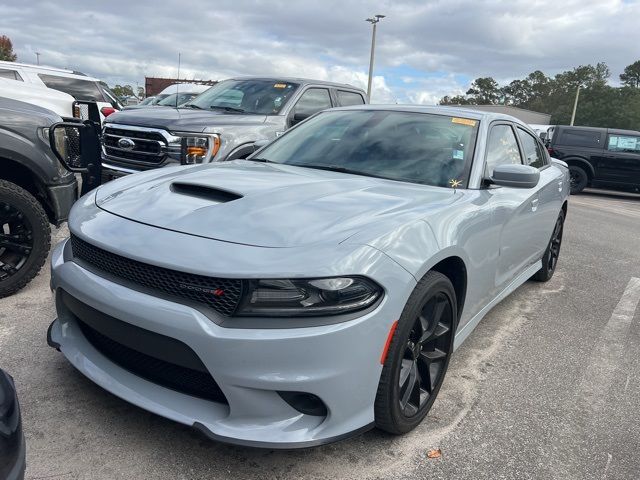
{"points": [[608, 352]]}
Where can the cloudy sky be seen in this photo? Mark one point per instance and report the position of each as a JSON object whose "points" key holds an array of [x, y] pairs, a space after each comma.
{"points": [[425, 49]]}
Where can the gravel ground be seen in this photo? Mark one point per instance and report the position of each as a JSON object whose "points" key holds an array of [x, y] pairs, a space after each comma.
{"points": [[547, 386]]}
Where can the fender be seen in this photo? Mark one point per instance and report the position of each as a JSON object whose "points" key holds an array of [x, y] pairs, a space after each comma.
{"points": [[18, 149], [581, 162]]}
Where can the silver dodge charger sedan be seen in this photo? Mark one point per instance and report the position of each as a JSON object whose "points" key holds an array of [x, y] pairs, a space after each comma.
{"points": [[316, 289]]}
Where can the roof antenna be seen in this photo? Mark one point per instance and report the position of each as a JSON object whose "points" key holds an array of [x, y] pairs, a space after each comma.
{"points": [[178, 84]]}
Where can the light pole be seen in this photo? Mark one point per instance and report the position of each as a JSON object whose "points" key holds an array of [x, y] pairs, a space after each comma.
{"points": [[575, 105], [37, 58], [373, 21]]}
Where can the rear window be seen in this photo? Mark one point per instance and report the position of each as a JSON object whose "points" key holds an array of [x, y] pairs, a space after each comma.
{"points": [[10, 74], [580, 138], [83, 90], [349, 98]]}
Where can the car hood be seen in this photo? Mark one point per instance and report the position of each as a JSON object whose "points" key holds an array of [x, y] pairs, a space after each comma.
{"points": [[267, 205], [181, 119]]}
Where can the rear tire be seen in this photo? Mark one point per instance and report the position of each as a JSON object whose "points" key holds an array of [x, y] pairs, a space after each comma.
{"points": [[418, 355], [25, 237], [578, 179], [552, 253]]}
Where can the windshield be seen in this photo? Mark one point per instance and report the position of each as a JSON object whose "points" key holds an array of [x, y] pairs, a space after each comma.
{"points": [[170, 100], [411, 147], [263, 97], [147, 101]]}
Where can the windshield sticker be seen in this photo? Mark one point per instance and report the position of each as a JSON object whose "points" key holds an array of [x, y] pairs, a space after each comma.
{"points": [[453, 183], [464, 121], [458, 154], [280, 85]]}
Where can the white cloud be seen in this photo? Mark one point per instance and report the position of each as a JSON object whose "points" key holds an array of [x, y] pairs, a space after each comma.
{"points": [[437, 42]]}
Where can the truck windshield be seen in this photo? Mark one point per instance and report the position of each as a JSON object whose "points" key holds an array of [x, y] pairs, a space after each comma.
{"points": [[406, 146], [261, 97]]}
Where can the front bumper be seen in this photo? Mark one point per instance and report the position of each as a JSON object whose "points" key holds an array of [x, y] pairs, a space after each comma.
{"points": [[339, 363]]}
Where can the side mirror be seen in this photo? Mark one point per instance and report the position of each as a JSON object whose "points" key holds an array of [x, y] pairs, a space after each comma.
{"points": [[258, 144], [516, 176], [300, 116], [77, 146]]}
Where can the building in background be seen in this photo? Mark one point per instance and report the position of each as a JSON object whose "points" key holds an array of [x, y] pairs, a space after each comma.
{"points": [[154, 85], [527, 116]]}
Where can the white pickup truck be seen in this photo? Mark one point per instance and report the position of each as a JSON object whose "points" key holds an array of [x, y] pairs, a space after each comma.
{"points": [[59, 102]]}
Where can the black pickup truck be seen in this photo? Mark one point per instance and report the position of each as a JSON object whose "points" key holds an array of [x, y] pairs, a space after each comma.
{"points": [[39, 153], [598, 157]]}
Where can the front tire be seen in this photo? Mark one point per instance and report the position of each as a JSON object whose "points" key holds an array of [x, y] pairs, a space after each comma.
{"points": [[418, 355], [25, 237]]}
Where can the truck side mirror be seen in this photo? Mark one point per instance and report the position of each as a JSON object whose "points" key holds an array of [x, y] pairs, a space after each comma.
{"points": [[77, 146]]}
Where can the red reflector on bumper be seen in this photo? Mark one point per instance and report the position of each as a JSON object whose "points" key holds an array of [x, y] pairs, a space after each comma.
{"points": [[392, 330]]}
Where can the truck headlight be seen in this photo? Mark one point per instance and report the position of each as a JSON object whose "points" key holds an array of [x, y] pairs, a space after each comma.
{"points": [[190, 149], [308, 297]]}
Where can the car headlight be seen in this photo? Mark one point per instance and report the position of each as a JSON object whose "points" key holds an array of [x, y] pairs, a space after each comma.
{"points": [[61, 143], [308, 297], [190, 149]]}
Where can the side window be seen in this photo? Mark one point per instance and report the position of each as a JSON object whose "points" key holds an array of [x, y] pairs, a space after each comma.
{"points": [[624, 143], [533, 154], [502, 147], [83, 90], [312, 101], [580, 138], [349, 98], [10, 74]]}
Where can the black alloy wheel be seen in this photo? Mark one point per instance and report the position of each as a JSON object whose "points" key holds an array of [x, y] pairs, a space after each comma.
{"points": [[578, 179], [425, 355], [16, 240], [551, 255], [24, 237], [418, 355]]}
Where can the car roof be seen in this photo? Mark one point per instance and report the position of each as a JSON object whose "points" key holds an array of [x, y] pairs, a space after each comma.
{"points": [[301, 81], [599, 129], [451, 111], [61, 72]]}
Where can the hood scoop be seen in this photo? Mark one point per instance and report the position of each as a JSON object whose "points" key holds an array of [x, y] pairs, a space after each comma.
{"points": [[205, 192]]}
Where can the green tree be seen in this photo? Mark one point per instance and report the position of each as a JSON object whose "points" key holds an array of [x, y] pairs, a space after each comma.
{"points": [[6, 49], [140, 92], [455, 100], [484, 91], [123, 91], [631, 75]]}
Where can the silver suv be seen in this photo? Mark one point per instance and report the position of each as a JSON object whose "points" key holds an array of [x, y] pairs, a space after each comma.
{"points": [[228, 121]]}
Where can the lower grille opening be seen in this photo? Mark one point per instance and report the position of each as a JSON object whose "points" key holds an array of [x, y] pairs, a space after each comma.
{"points": [[154, 365]]}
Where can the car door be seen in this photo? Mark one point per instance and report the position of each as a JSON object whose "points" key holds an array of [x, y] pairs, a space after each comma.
{"points": [[620, 161], [312, 100], [550, 187], [516, 212]]}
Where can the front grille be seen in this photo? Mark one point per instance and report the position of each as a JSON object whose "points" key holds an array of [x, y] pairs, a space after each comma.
{"points": [[149, 147], [223, 295], [157, 368]]}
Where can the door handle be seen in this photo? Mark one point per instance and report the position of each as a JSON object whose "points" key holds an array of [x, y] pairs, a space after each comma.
{"points": [[534, 204]]}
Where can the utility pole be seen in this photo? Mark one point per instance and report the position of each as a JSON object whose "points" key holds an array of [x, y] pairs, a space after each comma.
{"points": [[373, 21], [575, 106], [37, 58]]}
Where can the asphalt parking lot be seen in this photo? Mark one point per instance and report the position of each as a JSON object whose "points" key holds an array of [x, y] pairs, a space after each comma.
{"points": [[547, 386]]}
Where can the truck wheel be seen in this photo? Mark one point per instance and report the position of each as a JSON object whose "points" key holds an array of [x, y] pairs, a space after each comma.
{"points": [[25, 237], [578, 179]]}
